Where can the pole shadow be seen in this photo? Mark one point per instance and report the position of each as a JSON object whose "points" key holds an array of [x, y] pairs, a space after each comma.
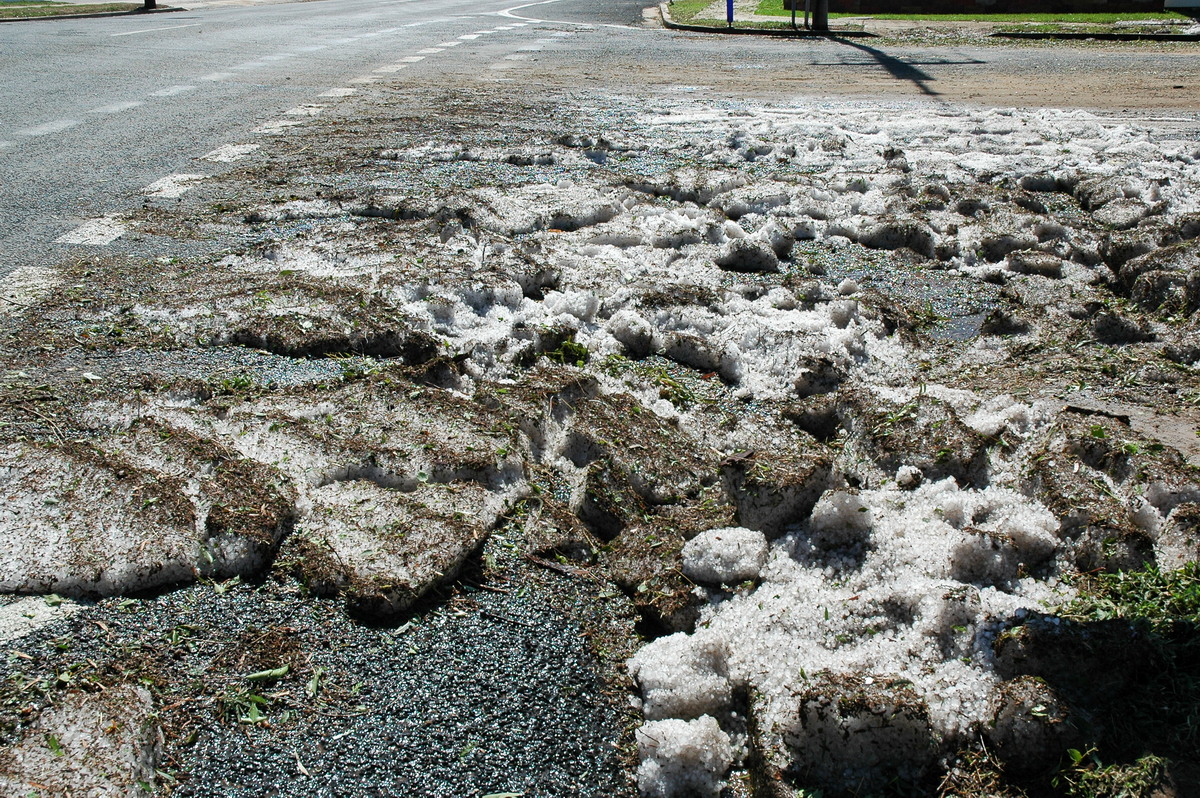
{"points": [[901, 70]]}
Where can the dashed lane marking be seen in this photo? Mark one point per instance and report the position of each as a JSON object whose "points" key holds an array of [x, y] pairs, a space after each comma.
{"points": [[361, 79], [412, 59], [276, 127], [117, 108], [213, 77], [338, 93], [469, 36], [171, 186], [97, 232], [390, 68], [430, 50], [448, 44], [278, 57], [171, 91], [57, 126], [230, 153]]}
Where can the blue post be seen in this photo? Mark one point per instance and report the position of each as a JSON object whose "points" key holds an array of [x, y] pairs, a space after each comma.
{"points": [[729, 12]]}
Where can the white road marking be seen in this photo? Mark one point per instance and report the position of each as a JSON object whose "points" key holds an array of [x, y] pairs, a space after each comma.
{"points": [[171, 186], [412, 59], [306, 110], [511, 14], [97, 232], [505, 27], [390, 68], [151, 30], [23, 286], [278, 57], [338, 93], [171, 91], [116, 108], [276, 127], [230, 153], [366, 79], [469, 36], [430, 50], [448, 44], [57, 126], [215, 76], [533, 48]]}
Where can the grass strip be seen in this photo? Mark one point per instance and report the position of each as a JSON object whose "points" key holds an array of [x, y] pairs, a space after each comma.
{"points": [[28, 10], [774, 8]]}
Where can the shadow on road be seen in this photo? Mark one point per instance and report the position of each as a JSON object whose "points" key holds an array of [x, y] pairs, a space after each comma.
{"points": [[901, 70]]}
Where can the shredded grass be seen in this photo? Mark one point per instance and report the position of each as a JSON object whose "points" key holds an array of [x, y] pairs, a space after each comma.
{"points": [[1162, 717], [25, 9]]}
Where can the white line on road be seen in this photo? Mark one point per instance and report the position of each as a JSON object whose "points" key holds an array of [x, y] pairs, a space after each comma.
{"points": [[151, 30], [96, 232], [511, 14], [390, 68], [469, 36], [23, 285], [171, 91], [212, 77], [412, 59], [57, 126], [366, 79], [448, 44], [276, 127], [278, 57], [116, 108], [171, 186], [430, 50], [230, 153], [338, 93]]}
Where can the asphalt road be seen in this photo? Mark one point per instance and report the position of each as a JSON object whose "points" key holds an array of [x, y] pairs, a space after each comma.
{"points": [[94, 111]]}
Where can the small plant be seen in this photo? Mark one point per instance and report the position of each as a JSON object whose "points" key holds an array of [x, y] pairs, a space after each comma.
{"points": [[570, 352]]}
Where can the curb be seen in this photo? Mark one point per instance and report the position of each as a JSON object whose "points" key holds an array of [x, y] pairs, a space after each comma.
{"points": [[135, 12], [664, 9], [1104, 37]]}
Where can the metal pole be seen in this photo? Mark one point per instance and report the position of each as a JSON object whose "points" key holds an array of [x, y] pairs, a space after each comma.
{"points": [[807, 4], [729, 12], [794, 13], [821, 15]]}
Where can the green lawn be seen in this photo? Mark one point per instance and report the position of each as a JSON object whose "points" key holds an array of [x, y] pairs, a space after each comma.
{"points": [[44, 8], [686, 11], [775, 8]]}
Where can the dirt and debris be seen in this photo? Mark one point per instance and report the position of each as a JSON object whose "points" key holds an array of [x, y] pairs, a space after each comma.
{"points": [[385, 495]]}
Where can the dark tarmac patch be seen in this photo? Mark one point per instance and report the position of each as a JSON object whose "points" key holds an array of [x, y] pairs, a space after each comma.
{"points": [[490, 689]]}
